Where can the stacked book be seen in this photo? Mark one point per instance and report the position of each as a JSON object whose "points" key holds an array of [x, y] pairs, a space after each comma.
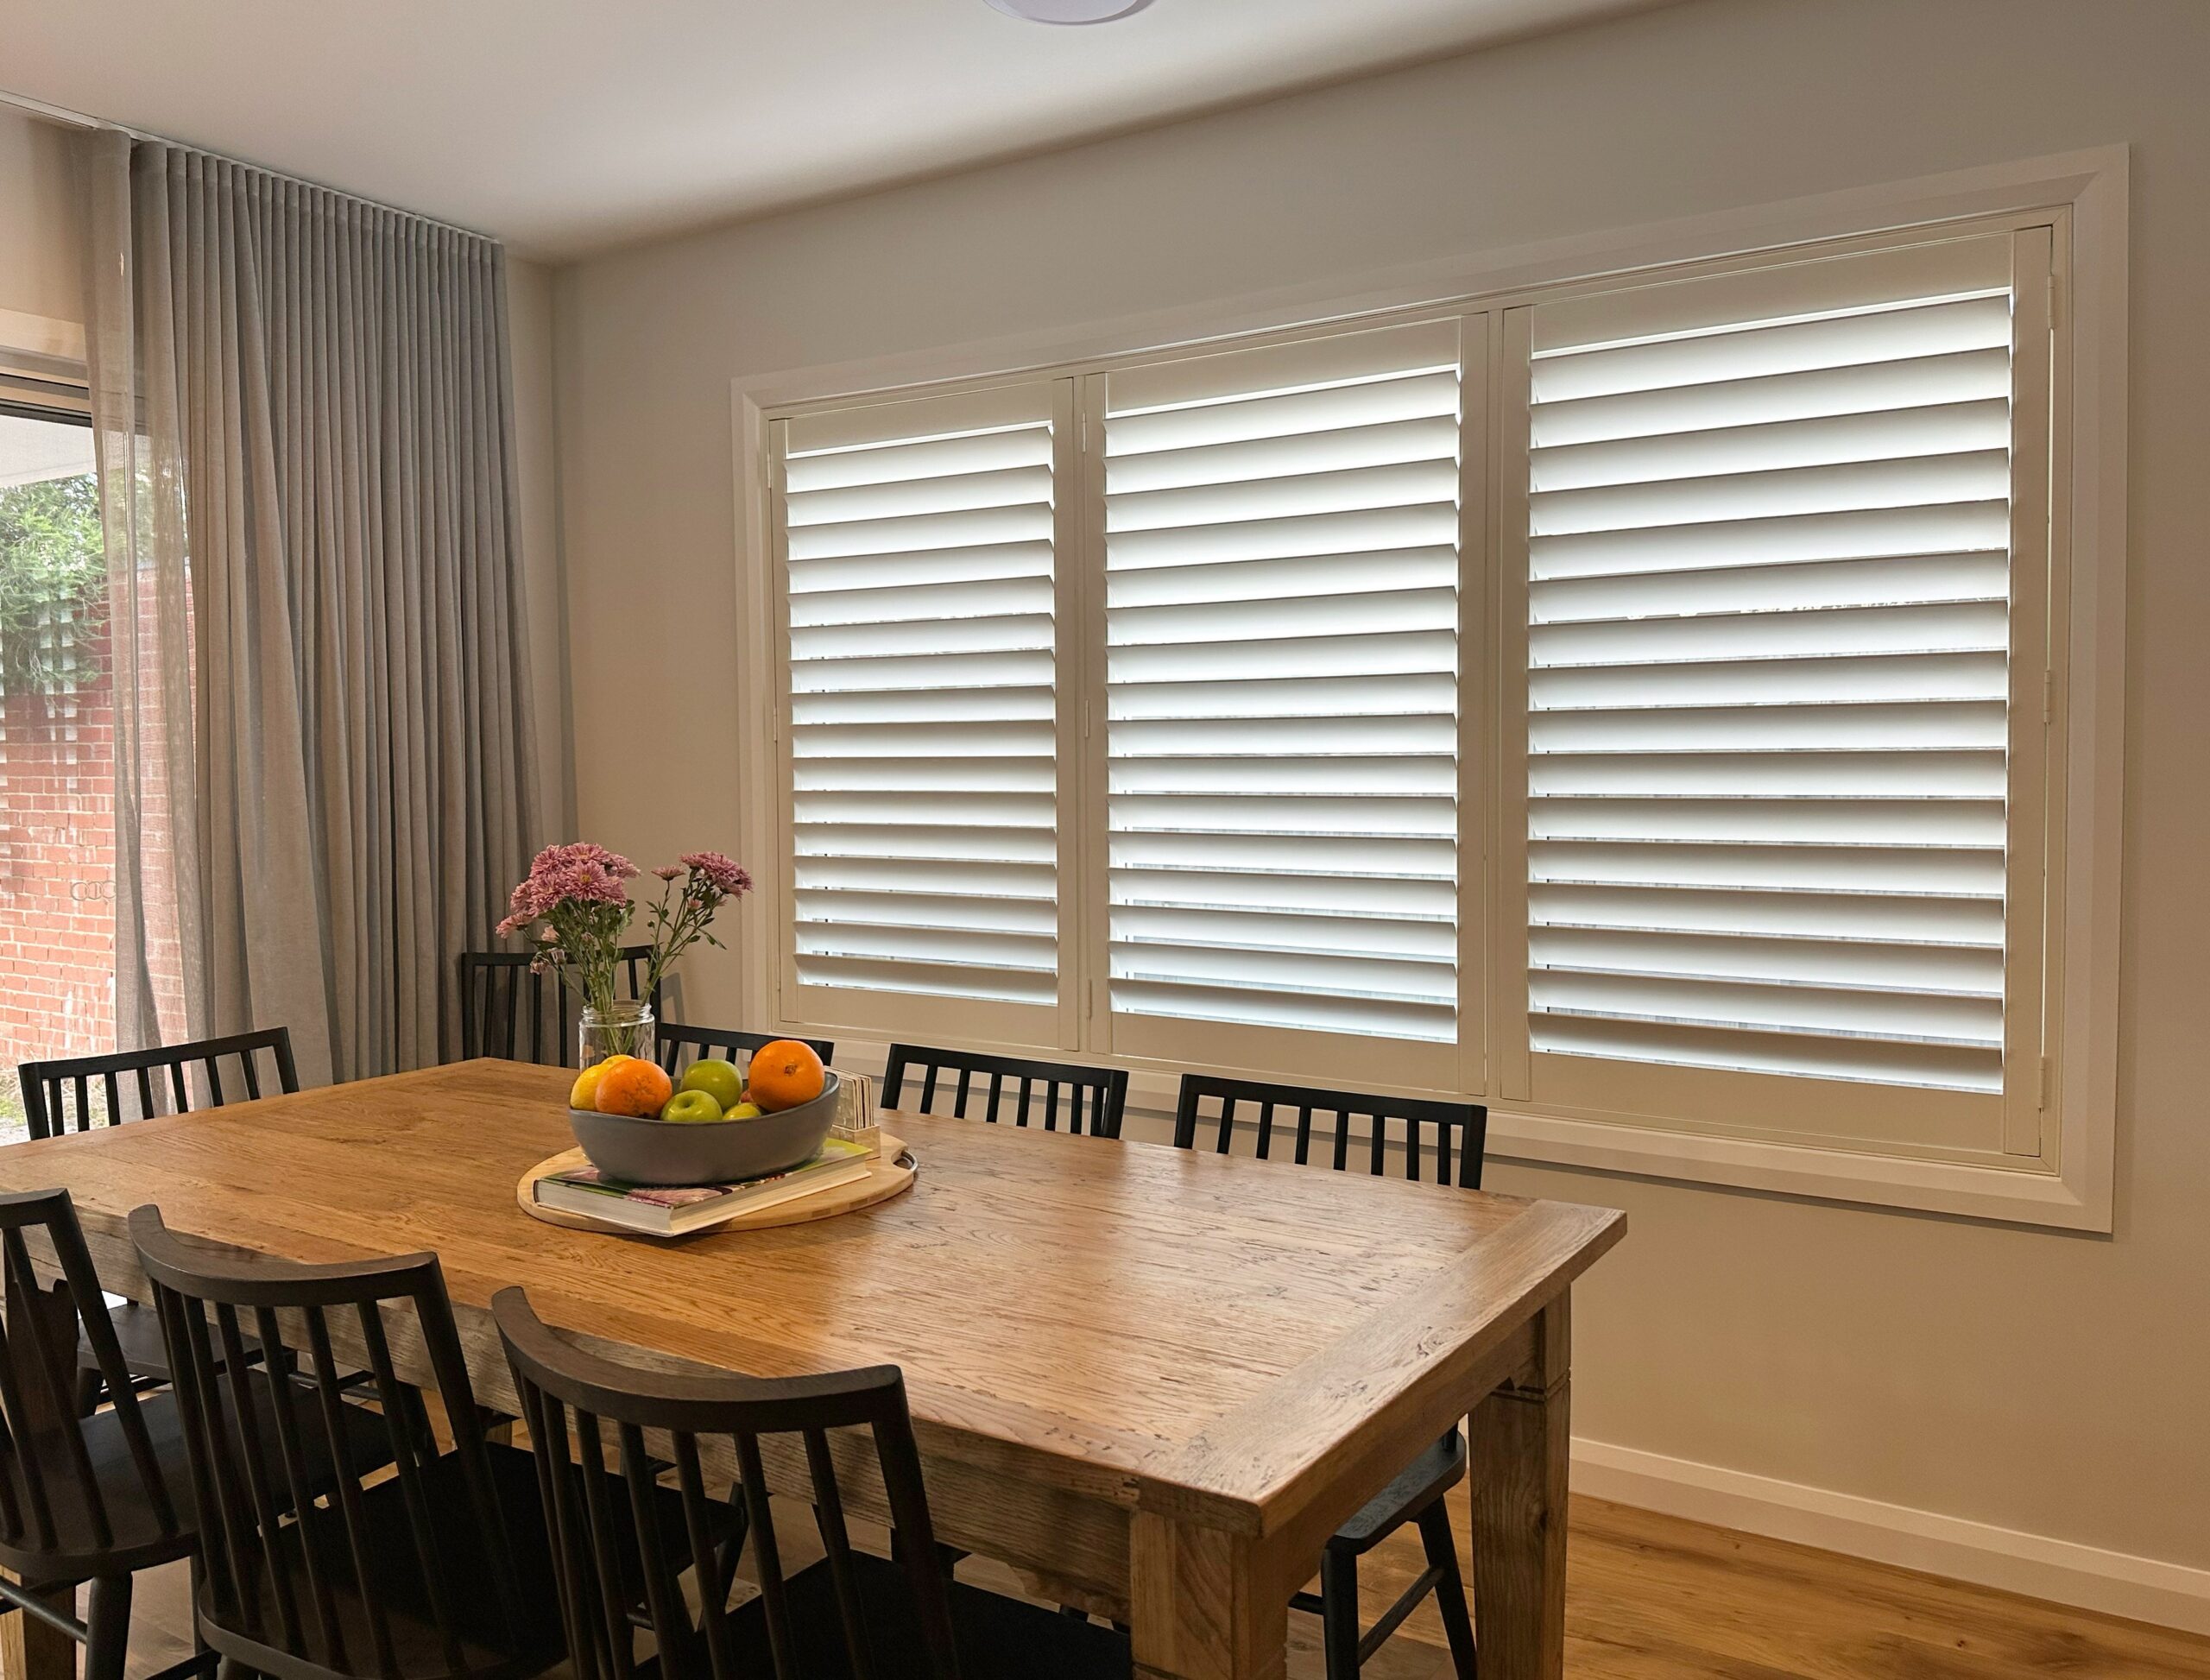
{"points": [[677, 1211]]}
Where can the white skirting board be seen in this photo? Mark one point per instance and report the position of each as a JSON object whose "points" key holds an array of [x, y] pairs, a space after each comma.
{"points": [[2062, 1571]]}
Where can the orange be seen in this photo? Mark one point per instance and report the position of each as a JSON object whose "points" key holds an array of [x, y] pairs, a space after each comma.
{"points": [[784, 1074], [583, 1094], [632, 1087]]}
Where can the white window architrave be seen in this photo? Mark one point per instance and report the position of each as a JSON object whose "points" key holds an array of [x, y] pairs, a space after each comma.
{"points": [[2065, 1178]]}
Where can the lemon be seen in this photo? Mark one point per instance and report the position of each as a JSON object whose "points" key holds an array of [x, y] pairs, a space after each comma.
{"points": [[583, 1094]]}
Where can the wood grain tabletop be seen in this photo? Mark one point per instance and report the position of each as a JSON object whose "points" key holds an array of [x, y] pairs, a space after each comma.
{"points": [[1210, 1339]]}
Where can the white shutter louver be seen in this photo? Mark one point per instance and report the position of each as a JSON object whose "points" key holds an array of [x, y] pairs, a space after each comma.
{"points": [[1768, 635], [1282, 686], [920, 563]]}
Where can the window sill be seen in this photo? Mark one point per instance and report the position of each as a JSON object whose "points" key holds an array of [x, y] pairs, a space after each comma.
{"points": [[2022, 1195], [2016, 1195]]}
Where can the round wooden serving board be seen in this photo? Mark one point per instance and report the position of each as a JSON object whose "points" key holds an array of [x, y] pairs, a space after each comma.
{"points": [[889, 1173]]}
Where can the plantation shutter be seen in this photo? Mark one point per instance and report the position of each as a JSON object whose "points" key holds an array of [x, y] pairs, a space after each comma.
{"points": [[1281, 577], [921, 560], [1772, 522]]}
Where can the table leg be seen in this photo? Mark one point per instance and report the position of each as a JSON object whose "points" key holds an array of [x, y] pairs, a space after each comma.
{"points": [[1520, 1439], [34, 1650], [1205, 1605]]}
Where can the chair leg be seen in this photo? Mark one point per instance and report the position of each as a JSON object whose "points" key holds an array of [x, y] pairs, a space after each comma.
{"points": [[1339, 1613], [1442, 1548], [107, 1627], [88, 1392], [198, 1577]]}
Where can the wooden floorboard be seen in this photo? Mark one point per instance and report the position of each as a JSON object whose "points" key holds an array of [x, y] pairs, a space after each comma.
{"points": [[1657, 1598], [1651, 1597]]}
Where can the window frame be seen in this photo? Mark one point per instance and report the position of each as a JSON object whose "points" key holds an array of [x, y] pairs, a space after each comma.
{"points": [[2066, 1182]]}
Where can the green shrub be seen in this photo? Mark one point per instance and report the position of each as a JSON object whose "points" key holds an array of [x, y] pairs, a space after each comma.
{"points": [[53, 583]]}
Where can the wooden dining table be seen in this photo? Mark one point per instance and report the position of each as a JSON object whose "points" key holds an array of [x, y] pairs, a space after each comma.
{"points": [[1154, 1380]]}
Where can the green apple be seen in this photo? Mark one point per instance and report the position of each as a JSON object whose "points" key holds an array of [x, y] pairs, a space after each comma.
{"points": [[718, 1079], [693, 1106], [743, 1111]]}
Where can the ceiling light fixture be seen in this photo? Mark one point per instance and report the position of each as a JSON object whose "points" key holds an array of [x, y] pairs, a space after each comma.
{"points": [[1069, 11]]}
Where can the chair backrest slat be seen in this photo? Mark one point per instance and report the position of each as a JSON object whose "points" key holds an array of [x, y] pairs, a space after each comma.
{"points": [[406, 1463], [598, 1515], [509, 1009], [837, 1542], [299, 1490], [681, 1044], [548, 1440], [713, 1581], [58, 1095], [295, 1566], [253, 1464], [1106, 1088], [663, 1597], [562, 1386], [766, 1557], [347, 1503], [1460, 1129]]}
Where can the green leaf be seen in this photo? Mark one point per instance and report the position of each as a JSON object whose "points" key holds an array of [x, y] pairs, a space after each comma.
{"points": [[52, 584]]}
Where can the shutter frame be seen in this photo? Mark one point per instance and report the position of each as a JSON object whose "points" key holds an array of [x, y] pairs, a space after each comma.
{"points": [[1283, 558], [1826, 1109], [924, 824]]}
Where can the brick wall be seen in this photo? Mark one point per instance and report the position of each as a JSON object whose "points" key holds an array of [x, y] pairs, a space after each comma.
{"points": [[57, 875]]}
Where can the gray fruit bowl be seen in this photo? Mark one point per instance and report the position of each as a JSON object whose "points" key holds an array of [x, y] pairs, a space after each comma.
{"points": [[704, 1152]]}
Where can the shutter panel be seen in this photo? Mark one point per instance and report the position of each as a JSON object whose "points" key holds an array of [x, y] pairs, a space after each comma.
{"points": [[920, 542], [1769, 651], [1281, 689]]}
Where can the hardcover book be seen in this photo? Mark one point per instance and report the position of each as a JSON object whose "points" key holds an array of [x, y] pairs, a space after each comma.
{"points": [[673, 1211]]}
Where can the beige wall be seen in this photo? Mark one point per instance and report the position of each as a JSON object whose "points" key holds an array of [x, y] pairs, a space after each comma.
{"points": [[38, 225], [2056, 1384]]}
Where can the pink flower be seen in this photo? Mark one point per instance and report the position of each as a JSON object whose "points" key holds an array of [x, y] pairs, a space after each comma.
{"points": [[580, 873], [724, 875], [667, 872], [585, 852]]}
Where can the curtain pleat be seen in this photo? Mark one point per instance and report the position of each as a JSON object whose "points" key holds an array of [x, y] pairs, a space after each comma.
{"points": [[304, 405]]}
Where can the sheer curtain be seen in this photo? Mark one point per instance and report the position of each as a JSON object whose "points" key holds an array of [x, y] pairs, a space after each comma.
{"points": [[326, 779]]}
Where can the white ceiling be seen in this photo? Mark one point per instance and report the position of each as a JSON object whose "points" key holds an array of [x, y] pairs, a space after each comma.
{"points": [[568, 125]]}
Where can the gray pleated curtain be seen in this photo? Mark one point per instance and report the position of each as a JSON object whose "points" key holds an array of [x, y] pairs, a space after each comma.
{"points": [[304, 408]]}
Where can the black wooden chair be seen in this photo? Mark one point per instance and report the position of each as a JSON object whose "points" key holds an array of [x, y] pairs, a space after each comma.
{"points": [[509, 1010], [439, 1571], [95, 1499], [730, 1044], [84, 1091], [851, 1614], [1402, 1134], [427, 1573], [81, 1500], [1045, 1094]]}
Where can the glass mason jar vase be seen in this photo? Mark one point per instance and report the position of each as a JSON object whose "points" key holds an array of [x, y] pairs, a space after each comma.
{"points": [[626, 1029]]}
